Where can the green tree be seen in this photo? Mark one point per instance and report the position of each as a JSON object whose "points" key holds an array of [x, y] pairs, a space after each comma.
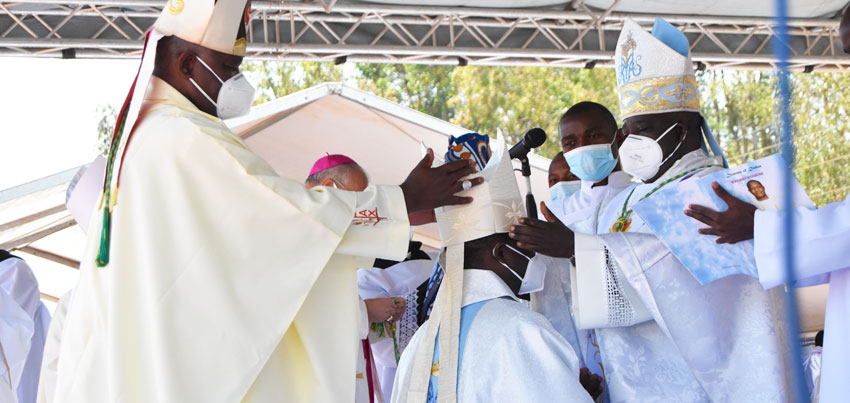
{"points": [[516, 99], [276, 79], [426, 89], [105, 126]]}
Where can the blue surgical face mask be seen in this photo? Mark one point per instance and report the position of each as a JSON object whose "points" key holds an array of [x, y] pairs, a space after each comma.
{"points": [[591, 163], [562, 191]]}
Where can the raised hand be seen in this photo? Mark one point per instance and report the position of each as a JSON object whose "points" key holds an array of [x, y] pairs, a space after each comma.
{"points": [[733, 225], [427, 188], [550, 237]]}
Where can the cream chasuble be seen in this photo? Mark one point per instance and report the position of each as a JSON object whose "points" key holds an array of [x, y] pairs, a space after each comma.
{"points": [[225, 282]]}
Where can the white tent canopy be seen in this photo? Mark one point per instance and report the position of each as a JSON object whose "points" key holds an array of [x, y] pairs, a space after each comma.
{"points": [[382, 136]]}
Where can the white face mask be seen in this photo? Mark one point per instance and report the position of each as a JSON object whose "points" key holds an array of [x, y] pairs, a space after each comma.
{"points": [[562, 191], [234, 97], [641, 156], [535, 273]]}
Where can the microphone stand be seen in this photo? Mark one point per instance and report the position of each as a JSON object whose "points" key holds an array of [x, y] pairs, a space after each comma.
{"points": [[530, 204]]}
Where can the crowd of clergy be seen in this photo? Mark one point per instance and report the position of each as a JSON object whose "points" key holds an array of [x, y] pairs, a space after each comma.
{"points": [[207, 277]]}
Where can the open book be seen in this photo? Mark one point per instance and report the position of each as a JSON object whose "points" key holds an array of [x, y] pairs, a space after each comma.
{"points": [[759, 183]]}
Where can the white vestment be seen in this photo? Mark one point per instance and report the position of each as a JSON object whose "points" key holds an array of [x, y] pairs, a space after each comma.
{"points": [[821, 254], [580, 213], [225, 282], [50, 362], [663, 336], [23, 327], [400, 280], [512, 354]]}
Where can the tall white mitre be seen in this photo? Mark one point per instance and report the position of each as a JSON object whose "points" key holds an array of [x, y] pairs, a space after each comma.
{"points": [[655, 74], [497, 204]]}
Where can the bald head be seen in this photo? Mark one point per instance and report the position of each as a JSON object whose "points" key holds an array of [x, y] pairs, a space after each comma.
{"points": [[349, 177], [844, 30], [559, 171]]}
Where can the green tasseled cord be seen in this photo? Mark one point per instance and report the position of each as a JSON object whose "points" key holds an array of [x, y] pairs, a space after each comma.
{"points": [[103, 252], [105, 233]]}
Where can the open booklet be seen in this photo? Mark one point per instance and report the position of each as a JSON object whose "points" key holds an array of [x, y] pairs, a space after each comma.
{"points": [[758, 182]]}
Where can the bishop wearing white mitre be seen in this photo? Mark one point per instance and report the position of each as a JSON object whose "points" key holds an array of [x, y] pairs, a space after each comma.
{"points": [[206, 277], [662, 335]]}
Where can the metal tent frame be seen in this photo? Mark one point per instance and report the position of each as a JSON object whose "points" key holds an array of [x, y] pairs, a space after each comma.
{"points": [[340, 31]]}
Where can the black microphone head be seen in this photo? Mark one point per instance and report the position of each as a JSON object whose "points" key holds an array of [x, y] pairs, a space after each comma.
{"points": [[534, 138]]}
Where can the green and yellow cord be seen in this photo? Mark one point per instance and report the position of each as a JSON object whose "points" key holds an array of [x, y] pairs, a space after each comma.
{"points": [[386, 329], [624, 221]]}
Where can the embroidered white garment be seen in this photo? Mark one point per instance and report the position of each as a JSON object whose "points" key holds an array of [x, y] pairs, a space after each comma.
{"points": [[716, 342], [511, 354]]}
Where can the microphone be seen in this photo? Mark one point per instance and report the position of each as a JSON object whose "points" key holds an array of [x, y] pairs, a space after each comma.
{"points": [[533, 138]]}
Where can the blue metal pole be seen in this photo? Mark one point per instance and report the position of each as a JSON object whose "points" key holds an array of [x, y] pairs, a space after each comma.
{"points": [[799, 392]]}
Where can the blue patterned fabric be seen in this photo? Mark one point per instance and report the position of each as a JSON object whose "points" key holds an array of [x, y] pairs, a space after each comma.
{"points": [[472, 146]]}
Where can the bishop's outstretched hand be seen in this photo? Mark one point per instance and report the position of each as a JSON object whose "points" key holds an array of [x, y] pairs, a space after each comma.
{"points": [[427, 188]]}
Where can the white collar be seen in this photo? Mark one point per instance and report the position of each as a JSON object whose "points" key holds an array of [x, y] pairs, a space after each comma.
{"points": [[482, 285], [690, 161]]}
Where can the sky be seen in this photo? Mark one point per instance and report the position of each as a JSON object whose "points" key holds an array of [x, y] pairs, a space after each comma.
{"points": [[48, 112]]}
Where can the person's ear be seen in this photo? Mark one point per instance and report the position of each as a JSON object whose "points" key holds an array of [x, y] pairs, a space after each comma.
{"points": [[500, 252], [327, 182], [619, 138], [186, 63]]}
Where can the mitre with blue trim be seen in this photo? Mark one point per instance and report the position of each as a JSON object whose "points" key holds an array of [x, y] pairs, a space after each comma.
{"points": [[655, 73]]}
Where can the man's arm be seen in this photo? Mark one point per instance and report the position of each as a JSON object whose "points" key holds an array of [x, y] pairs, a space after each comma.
{"points": [[821, 237], [601, 295], [821, 243]]}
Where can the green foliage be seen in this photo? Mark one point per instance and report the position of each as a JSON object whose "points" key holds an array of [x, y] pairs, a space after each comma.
{"points": [[740, 106], [276, 79], [516, 99], [105, 126], [424, 88], [822, 137]]}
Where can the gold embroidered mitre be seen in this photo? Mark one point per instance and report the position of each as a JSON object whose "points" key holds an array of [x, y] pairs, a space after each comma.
{"points": [[654, 71]]}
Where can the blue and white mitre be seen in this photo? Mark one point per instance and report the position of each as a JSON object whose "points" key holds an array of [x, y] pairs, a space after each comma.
{"points": [[654, 71], [655, 74]]}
